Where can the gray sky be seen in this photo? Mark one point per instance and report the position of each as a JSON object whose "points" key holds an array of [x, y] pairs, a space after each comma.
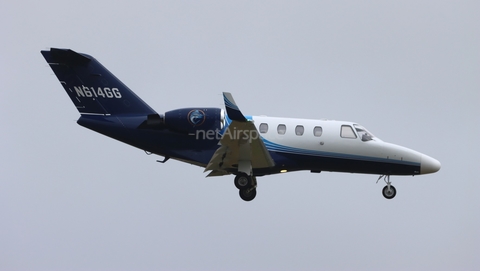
{"points": [[71, 199]]}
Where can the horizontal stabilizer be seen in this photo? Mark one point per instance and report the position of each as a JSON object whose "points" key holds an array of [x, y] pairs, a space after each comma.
{"points": [[65, 56]]}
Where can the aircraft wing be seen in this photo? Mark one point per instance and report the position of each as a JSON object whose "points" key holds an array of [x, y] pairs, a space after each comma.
{"points": [[241, 146]]}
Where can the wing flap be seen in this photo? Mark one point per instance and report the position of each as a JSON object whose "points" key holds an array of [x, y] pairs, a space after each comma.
{"points": [[241, 147]]}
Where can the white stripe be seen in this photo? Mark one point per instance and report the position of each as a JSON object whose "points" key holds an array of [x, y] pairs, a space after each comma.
{"points": [[94, 114]]}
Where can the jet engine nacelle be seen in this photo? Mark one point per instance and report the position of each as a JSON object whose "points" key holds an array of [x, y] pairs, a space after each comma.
{"points": [[190, 120]]}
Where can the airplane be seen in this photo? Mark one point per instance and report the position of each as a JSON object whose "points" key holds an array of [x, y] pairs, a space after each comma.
{"points": [[226, 141]]}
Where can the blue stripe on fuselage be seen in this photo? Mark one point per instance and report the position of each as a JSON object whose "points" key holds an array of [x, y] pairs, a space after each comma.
{"points": [[275, 147]]}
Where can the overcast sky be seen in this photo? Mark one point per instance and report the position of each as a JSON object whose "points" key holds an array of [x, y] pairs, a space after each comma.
{"points": [[72, 199]]}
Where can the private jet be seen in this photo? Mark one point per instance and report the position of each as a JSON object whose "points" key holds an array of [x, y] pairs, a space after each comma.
{"points": [[225, 141]]}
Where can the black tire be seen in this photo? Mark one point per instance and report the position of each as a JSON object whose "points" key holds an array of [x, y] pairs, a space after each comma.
{"points": [[389, 194], [248, 194], [243, 181]]}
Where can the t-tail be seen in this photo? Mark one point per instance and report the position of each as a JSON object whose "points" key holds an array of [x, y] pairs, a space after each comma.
{"points": [[91, 87], [106, 105]]}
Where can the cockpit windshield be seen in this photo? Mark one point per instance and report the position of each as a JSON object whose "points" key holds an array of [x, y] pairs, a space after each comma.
{"points": [[364, 134]]}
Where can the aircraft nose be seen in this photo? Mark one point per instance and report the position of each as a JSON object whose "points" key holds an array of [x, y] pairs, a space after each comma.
{"points": [[429, 165]]}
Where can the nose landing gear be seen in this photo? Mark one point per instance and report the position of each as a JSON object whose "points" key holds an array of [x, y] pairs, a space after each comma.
{"points": [[389, 190]]}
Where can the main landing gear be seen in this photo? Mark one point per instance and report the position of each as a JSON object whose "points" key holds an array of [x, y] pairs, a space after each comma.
{"points": [[247, 186], [389, 190]]}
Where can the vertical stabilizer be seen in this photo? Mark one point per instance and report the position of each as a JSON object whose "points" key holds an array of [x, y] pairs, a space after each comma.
{"points": [[91, 87]]}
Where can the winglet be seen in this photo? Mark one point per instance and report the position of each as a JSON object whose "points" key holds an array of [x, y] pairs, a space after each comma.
{"points": [[233, 111]]}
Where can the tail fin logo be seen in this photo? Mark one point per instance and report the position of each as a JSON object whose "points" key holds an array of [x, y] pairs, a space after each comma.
{"points": [[196, 117]]}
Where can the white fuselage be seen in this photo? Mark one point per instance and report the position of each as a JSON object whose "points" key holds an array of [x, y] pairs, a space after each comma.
{"points": [[337, 140]]}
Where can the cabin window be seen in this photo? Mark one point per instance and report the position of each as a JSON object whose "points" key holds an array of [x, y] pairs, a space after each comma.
{"points": [[347, 132], [299, 130], [263, 128], [317, 131], [281, 129]]}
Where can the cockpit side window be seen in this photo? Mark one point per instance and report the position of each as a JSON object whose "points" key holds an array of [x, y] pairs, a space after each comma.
{"points": [[363, 133], [347, 132]]}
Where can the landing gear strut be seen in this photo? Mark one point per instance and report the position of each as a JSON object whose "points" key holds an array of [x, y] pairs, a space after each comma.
{"points": [[389, 190], [247, 186]]}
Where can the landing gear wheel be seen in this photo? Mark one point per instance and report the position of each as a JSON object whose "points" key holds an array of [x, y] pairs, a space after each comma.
{"points": [[248, 194], [243, 181], [389, 192]]}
